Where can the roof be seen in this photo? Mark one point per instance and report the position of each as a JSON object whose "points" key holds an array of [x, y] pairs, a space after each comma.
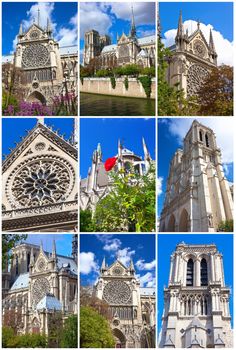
{"points": [[109, 48], [68, 50], [22, 281], [147, 291], [146, 40], [63, 261], [195, 323], [49, 302]]}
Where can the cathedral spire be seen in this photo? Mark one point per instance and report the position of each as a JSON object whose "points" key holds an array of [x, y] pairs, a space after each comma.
{"points": [[211, 42], [131, 266], [133, 27], [75, 246], [103, 267], [145, 150], [32, 257], [99, 152], [54, 249], [41, 245], [21, 29], [38, 17], [180, 31]]}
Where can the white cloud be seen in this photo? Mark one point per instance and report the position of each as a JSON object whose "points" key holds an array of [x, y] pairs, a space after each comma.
{"points": [[88, 263], [142, 265], [159, 185], [144, 12], [125, 255], [65, 35], [224, 47], [147, 280], [112, 245], [222, 127]]}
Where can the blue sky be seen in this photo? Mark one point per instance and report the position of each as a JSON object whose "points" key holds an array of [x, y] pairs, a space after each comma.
{"points": [[63, 16], [63, 242], [217, 16], [171, 132], [114, 18], [14, 128], [107, 131], [166, 246], [141, 248]]}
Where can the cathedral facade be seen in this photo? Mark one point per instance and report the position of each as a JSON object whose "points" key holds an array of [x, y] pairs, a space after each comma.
{"points": [[98, 182], [196, 309], [192, 57], [129, 49], [198, 196], [132, 308], [38, 285], [47, 70], [39, 182]]}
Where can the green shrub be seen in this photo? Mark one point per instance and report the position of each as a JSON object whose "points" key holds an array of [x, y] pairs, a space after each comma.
{"points": [[150, 71], [101, 73], [146, 82], [126, 83], [7, 335], [70, 333], [113, 82], [226, 226], [26, 341]]}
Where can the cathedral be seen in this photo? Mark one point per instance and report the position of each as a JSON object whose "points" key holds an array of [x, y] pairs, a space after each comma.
{"points": [[198, 196], [192, 57], [98, 182], [38, 285], [196, 309], [129, 49], [133, 315], [39, 182], [47, 69]]}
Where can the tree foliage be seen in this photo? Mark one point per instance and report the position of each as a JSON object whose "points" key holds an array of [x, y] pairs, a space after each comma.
{"points": [[130, 205], [70, 333], [95, 331], [215, 96], [9, 241], [226, 226], [88, 299], [9, 340], [86, 222]]}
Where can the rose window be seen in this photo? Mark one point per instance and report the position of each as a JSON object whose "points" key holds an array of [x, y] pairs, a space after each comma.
{"points": [[40, 288], [199, 48], [42, 182], [117, 292], [35, 55], [196, 76]]}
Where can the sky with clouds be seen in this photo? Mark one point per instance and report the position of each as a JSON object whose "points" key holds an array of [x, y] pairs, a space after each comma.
{"points": [[63, 17], [107, 132], [217, 16], [114, 18], [171, 132], [167, 245], [140, 248]]}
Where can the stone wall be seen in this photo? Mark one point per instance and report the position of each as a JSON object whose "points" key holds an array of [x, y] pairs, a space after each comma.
{"points": [[103, 86]]}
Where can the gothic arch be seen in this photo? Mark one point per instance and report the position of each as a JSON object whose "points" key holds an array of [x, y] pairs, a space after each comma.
{"points": [[183, 222], [119, 338], [190, 272], [171, 224], [204, 272], [36, 97]]}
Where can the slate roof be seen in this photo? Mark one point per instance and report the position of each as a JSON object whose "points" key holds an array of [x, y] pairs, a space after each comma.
{"points": [[109, 48], [68, 50], [150, 39], [22, 281], [49, 302]]}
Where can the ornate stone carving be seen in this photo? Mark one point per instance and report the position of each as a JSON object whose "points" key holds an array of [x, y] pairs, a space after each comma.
{"points": [[196, 75], [117, 292], [199, 48], [40, 181], [40, 288], [35, 55], [40, 146], [41, 265]]}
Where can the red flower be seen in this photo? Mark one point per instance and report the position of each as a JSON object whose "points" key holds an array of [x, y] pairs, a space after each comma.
{"points": [[109, 163]]}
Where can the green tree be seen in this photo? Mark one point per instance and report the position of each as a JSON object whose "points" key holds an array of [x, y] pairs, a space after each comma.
{"points": [[7, 335], [70, 333], [55, 329], [226, 226], [95, 331], [86, 222], [8, 242], [130, 205], [215, 96], [9, 340]]}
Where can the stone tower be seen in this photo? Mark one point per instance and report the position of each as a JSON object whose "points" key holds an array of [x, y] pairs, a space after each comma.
{"points": [[75, 247], [93, 45], [192, 58], [132, 308], [198, 196], [196, 301]]}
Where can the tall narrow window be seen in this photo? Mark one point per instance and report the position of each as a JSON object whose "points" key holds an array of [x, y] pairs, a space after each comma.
{"points": [[200, 135], [204, 279], [28, 261], [189, 279], [207, 140]]}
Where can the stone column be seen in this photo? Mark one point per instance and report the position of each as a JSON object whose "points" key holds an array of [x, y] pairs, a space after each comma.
{"points": [[171, 268], [213, 277], [197, 280]]}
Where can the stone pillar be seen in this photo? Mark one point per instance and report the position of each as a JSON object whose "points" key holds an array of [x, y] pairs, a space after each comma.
{"points": [[171, 268], [213, 277], [197, 280]]}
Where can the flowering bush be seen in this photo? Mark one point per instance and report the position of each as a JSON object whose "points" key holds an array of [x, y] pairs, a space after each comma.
{"points": [[61, 105]]}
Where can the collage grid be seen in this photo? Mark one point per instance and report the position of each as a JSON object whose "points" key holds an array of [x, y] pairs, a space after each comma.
{"points": [[117, 182]]}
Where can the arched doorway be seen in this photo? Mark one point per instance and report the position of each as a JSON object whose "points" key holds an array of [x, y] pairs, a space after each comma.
{"points": [[36, 97], [183, 222], [171, 224], [35, 326], [119, 338]]}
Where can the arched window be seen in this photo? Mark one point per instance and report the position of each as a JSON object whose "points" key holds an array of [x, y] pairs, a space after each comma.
{"points": [[200, 135], [207, 140], [189, 279], [204, 279]]}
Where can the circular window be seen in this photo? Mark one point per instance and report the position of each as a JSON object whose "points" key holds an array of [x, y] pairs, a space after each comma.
{"points": [[117, 292]]}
